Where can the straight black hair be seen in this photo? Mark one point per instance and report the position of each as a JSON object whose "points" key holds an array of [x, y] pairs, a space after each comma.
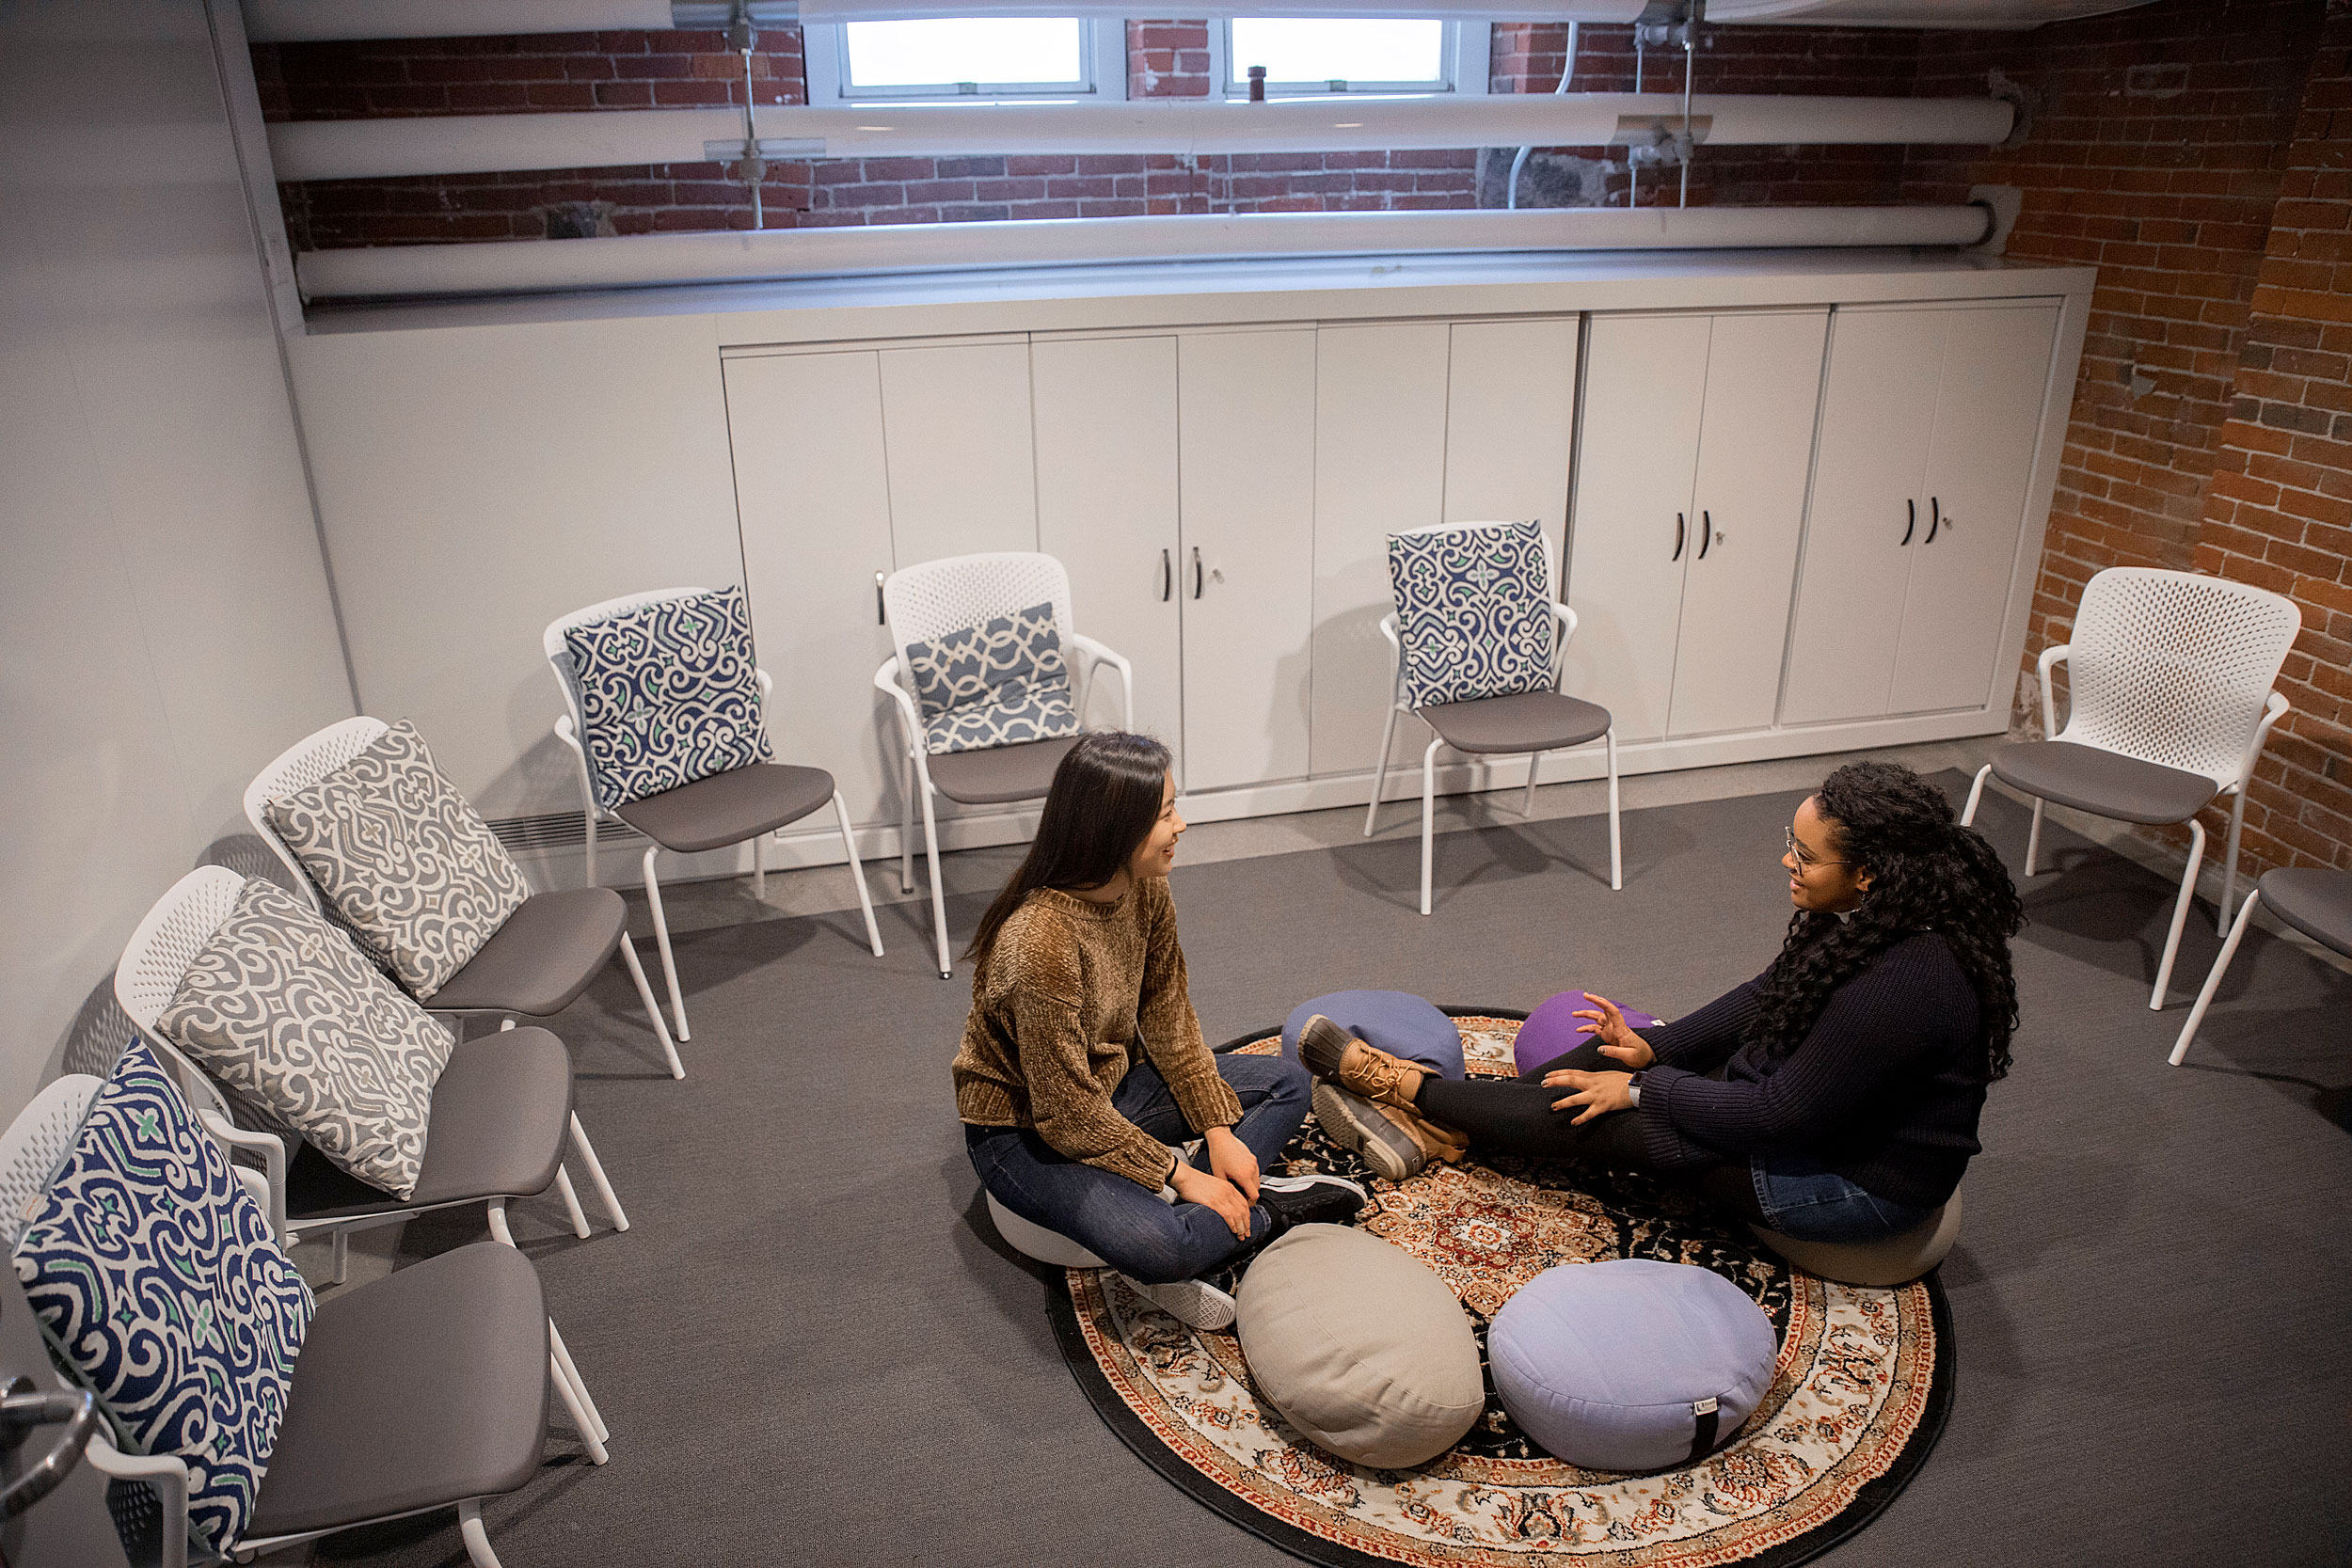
{"points": [[1104, 803]]}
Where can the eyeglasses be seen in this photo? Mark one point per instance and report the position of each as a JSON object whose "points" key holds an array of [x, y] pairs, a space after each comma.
{"points": [[1805, 857]]}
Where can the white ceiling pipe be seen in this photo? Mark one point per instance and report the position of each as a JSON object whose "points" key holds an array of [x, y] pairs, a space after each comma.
{"points": [[492, 144], [646, 261], [307, 21]]}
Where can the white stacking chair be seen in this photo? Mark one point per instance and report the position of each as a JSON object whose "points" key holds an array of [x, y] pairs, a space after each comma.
{"points": [[2315, 901], [535, 972], [1528, 723], [924, 603], [489, 1163], [709, 813], [2171, 704]]}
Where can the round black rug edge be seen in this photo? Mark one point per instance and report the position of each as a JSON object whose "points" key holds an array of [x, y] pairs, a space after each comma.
{"points": [[1870, 1502]]}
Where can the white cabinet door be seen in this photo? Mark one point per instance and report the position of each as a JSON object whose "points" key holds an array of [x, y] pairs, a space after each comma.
{"points": [[813, 497], [1644, 383], [1246, 573], [1380, 466], [1988, 422], [1106, 510], [1763, 380], [963, 473], [1510, 423], [1868, 515]]}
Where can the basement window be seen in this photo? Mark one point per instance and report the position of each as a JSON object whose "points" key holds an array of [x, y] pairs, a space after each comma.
{"points": [[952, 59], [1304, 56]]}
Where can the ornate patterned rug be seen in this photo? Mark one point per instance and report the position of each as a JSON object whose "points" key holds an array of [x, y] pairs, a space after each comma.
{"points": [[1859, 1395]]}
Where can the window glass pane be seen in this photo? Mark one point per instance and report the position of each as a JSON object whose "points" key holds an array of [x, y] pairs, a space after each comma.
{"points": [[1297, 50], [995, 50]]}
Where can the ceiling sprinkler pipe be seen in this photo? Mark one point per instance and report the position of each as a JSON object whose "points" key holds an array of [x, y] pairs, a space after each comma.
{"points": [[654, 260]]}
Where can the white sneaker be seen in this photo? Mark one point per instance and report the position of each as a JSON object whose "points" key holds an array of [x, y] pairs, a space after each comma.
{"points": [[1195, 1303]]}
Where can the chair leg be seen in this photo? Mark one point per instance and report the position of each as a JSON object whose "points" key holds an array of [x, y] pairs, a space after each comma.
{"points": [[2033, 836], [906, 830], [2213, 981], [587, 1153], [759, 867], [581, 1422], [2180, 912], [1534, 760], [591, 816], [939, 900], [661, 941], [477, 1539], [857, 874], [2229, 872], [340, 1250], [653, 1009], [1975, 792], [1616, 841], [580, 1385], [571, 1202], [1380, 768], [1428, 816]]}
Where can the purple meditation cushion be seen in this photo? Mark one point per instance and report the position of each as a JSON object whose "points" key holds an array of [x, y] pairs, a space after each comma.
{"points": [[1554, 1030]]}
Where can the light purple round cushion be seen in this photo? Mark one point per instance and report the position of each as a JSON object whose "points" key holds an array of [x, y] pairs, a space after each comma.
{"points": [[1554, 1030], [1608, 1365], [1396, 1022]]}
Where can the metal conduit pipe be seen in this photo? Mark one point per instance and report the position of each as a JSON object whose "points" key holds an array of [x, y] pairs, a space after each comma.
{"points": [[493, 144], [650, 261]]}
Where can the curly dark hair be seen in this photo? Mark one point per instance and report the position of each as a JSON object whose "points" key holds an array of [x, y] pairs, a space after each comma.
{"points": [[1928, 874]]}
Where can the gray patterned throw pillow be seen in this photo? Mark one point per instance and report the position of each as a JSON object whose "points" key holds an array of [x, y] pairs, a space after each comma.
{"points": [[402, 859], [284, 1010], [999, 683]]}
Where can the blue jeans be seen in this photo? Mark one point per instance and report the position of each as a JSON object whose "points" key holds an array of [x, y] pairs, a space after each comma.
{"points": [[1799, 1199], [1127, 1226]]}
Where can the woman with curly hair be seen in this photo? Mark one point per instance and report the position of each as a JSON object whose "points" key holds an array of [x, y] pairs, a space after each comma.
{"points": [[1833, 1097]]}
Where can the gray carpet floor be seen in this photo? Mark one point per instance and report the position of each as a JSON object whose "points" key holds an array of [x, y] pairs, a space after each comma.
{"points": [[812, 1349]]}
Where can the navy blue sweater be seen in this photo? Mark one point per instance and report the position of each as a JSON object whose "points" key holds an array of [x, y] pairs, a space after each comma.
{"points": [[1884, 1090]]}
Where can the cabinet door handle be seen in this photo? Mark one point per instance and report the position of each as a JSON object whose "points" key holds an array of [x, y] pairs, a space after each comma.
{"points": [[1168, 577], [1706, 533], [1681, 527], [1911, 508], [1935, 517], [881, 615], [1195, 571]]}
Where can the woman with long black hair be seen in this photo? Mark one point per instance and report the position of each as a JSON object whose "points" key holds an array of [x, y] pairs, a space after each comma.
{"points": [[1082, 1062], [1833, 1097]]}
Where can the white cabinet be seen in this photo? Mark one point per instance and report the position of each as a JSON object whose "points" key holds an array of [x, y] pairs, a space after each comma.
{"points": [[1690, 505], [1247, 479], [1510, 420], [1929, 421], [955, 427]]}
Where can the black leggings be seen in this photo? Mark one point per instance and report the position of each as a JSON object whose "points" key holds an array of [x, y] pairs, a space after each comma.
{"points": [[1517, 1118]]}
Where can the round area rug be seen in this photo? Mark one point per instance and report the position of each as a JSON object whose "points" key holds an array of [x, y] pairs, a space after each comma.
{"points": [[1858, 1398]]}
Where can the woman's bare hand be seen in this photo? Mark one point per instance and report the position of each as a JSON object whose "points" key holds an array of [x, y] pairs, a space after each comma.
{"points": [[1618, 1041], [1229, 1158], [1598, 1093], [1194, 1185]]}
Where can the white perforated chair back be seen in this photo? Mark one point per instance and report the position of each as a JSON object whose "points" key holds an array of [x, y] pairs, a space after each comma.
{"points": [[925, 601], [156, 960], [297, 768], [2174, 666], [36, 1144]]}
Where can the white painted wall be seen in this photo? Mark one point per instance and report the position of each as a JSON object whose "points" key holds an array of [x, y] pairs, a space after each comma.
{"points": [[166, 627]]}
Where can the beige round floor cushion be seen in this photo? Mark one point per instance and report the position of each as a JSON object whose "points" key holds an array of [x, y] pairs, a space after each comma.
{"points": [[1897, 1260], [1360, 1346]]}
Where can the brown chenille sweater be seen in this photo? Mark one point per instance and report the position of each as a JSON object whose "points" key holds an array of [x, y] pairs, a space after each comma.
{"points": [[1068, 992]]}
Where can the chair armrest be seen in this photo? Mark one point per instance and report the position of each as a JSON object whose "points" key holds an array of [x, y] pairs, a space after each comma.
{"points": [[1104, 653], [910, 721], [2050, 656], [767, 682], [1565, 618], [167, 1475], [272, 1151], [2274, 709]]}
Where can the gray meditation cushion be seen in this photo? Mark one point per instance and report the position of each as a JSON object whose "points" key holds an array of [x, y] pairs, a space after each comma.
{"points": [[1360, 1346]]}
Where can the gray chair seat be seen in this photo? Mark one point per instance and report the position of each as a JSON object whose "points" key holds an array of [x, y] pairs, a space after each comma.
{"points": [[1525, 721], [543, 957], [2317, 903], [425, 1389], [2105, 783], [999, 774], [727, 808], [501, 1114]]}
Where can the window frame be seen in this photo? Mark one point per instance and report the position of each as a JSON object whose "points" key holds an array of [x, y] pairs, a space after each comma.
{"points": [[825, 59], [1468, 51]]}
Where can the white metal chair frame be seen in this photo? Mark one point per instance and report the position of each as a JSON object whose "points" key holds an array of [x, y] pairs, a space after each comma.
{"points": [[569, 730], [1563, 619], [925, 601], [154, 961], [312, 758], [2228, 759]]}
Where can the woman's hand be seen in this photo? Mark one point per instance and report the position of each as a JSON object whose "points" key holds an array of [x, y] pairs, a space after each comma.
{"points": [[1598, 1093], [1194, 1185], [1229, 1158], [1617, 1041]]}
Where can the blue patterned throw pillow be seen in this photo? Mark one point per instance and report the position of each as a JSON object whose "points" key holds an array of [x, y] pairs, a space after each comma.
{"points": [[996, 683], [1473, 611], [154, 1276], [668, 694]]}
